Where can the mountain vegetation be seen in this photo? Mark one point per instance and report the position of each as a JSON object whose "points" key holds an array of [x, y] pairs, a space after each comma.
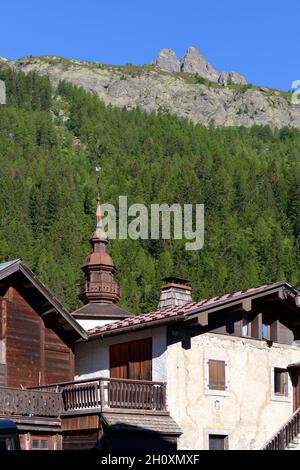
{"points": [[50, 143]]}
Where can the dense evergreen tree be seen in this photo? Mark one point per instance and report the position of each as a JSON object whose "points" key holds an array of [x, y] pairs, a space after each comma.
{"points": [[50, 143]]}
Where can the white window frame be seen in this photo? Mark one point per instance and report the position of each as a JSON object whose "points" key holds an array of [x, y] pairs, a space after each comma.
{"points": [[216, 432], [274, 396]]}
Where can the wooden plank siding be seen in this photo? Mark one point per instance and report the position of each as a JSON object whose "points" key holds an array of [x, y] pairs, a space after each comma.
{"points": [[80, 423], [2, 375], [59, 359], [83, 440], [35, 355]]}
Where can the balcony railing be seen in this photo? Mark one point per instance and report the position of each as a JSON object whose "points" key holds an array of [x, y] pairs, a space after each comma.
{"points": [[107, 393], [96, 287], [24, 402], [286, 434]]}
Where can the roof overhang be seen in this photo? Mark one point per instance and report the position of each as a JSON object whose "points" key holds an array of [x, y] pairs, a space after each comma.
{"points": [[282, 291], [296, 365], [51, 307]]}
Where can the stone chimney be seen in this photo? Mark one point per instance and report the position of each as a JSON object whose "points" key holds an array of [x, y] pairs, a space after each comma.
{"points": [[174, 292]]}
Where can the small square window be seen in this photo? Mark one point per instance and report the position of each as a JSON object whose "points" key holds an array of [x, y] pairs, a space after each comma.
{"points": [[218, 442], [281, 382], [41, 443]]}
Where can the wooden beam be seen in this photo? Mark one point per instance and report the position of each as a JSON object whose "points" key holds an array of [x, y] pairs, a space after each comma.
{"points": [[247, 305], [48, 312], [202, 319], [279, 294]]}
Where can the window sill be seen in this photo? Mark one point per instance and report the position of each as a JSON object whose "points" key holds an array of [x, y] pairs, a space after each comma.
{"points": [[281, 398], [217, 393]]}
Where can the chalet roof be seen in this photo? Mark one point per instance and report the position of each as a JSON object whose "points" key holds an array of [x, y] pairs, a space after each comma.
{"points": [[51, 306], [7, 264], [172, 314], [161, 424]]}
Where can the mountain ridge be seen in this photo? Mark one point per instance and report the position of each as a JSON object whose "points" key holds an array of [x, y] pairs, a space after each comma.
{"points": [[186, 94]]}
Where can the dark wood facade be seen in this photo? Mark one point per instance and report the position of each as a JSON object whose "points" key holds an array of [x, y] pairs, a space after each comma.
{"points": [[32, 353], [36, 348]]}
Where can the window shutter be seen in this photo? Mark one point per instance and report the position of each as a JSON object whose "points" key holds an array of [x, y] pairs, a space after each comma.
{"points": [[274, 330], [257, 326], [216, 375]]}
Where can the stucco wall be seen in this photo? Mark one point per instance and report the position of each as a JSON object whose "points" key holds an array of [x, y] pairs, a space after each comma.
{"points": [[92, 358], [247, 411]]}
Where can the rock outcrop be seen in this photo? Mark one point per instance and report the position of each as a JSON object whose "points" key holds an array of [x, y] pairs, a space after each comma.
{"points": [[194, 62], [167, 60], [227, 78], [153, 90]]}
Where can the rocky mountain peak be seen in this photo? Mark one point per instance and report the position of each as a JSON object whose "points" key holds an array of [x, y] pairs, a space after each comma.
{"points": [[167, 60], [194, 62]]}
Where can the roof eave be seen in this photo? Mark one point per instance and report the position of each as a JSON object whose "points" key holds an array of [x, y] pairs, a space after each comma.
{"points": [[185, 315], [52, 300]]}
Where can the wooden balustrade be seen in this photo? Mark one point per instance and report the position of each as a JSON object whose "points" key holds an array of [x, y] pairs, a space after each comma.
{"points": [[115, 393], [286, 434], [25, 402], [108, 393]]}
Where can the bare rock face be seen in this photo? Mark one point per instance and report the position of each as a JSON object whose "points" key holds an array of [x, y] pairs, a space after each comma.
{"points": [[194, 62], [167, 60], [153, 90], [226, 78]]}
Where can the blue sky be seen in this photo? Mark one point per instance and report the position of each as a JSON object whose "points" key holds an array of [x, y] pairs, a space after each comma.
{"points": [[256, 38]]}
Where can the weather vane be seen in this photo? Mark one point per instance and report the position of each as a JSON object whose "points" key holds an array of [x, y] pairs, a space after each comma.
{"points": [[98, 169]]}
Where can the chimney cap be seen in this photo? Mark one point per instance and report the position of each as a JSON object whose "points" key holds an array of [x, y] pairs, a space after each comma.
{"points": [[176, 280]]}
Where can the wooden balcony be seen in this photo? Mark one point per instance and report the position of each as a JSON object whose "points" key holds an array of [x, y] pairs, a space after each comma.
{"points": [[23, 402], [110, 394]]}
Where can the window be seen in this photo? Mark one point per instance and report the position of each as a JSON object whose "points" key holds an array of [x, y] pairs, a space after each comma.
{"points": [[216, 373], [40, 443], [266, 328], [246, 326], [258, 326], [218, 442], [281, 382]]}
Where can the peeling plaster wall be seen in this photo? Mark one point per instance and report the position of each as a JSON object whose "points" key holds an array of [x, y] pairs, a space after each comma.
{"points": [[248, 412], [92, 357]]}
